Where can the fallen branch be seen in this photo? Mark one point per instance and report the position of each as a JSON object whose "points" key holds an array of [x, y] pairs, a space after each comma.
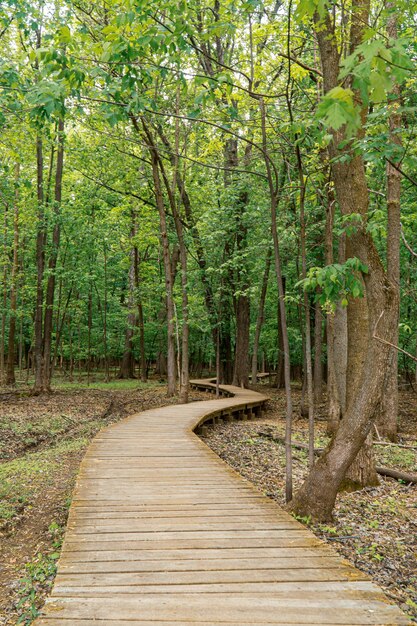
{"points": [[391, 473], [295, 444], [382, 471], [391, 443]]}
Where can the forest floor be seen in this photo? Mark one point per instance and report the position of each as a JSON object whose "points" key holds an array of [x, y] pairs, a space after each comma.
{"points": [[43, 439], [376, 528]]}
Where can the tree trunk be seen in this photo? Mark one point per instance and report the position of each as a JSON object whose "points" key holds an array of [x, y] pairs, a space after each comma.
{"points": [[241, 366], [273, 192], [318, 349], [128, 362], [40, 264], [334, 411], [56, 238], [89, 326], [387, 421], [11, 380], [171, 367], [161, 361], [4, 300], [280, 378], [352, 194], [318, 493], [105, 347], [192, 226], [261, 315], [183, 367], [141, 325]]}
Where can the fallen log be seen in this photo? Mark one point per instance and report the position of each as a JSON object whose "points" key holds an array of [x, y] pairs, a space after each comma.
{"points": [[391, 473], [382, 471], [392, 443], [295, 444]]}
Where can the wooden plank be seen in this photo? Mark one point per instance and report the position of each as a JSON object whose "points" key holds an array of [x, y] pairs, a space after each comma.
{"points": [[168, 556], [166, 523], [189, 544], [169, 564], [355, 607], [211, 577], [62, 621]]}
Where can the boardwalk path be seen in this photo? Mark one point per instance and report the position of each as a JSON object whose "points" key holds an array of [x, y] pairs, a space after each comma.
{"points": [[162, 532]]}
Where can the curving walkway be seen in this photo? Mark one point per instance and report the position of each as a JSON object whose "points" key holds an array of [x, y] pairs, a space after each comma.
{"points": [[163, 533]]}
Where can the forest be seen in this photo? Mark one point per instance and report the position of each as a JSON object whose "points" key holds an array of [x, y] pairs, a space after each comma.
{"points": [[216, 188]]}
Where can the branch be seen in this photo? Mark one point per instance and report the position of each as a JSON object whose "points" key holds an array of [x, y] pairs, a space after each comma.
{"points": [[388, 343], [407, 245]]}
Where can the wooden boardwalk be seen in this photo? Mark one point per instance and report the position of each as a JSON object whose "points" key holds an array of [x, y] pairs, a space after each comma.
{"points": [[162, 532]]}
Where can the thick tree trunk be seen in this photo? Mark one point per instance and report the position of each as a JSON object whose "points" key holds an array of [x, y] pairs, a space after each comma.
{"points": [[318, 493], [10, 378], [353, 197], [361, 472]]}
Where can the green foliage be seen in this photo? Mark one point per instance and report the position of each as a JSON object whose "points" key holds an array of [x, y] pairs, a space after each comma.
{"points": [[335, 283], [376, 65], [337, 109]]}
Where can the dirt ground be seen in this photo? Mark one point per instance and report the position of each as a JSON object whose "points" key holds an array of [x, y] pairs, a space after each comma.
{"points": [[43, 440], [376, 528]]}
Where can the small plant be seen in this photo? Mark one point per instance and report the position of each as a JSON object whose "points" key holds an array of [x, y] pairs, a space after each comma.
{"points": [[373, 524], [40, 574], [304, 519], [329, 530], [372, 551]]}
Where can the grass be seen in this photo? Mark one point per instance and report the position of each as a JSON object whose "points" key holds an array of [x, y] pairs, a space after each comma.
{"points": [[97, 381], [393, 456], [111, 385], [21, 480]]}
